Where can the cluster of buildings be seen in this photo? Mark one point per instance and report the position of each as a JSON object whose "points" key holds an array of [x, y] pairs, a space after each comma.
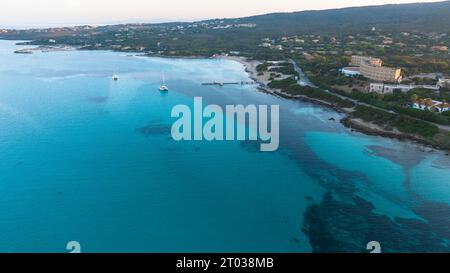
{"points": [[387, 81], [268, 43], [431, 105], [421, 104], [215, 24], [298, 44], [372, 68]]}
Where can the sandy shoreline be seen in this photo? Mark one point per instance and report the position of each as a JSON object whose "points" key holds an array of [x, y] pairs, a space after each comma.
{"points": [[262, 81], [250, 67]]}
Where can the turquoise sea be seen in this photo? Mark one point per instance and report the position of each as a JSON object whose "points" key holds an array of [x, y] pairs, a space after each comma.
{"points": [[87, 159]]}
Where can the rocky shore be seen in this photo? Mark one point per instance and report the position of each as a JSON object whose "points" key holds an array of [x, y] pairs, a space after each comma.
{"points": [[372, 129], [358, 125]]}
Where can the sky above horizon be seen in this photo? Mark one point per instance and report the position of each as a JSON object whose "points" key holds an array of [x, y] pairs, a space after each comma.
{"points": [[37, 13]]}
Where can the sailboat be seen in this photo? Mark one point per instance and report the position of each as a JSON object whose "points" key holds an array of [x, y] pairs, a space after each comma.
{"points": [[163, 86], [115, 77]]}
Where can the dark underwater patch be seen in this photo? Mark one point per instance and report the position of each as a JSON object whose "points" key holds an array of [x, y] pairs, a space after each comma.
{"points": [[438, 215], [347, 226], [153, 130]]}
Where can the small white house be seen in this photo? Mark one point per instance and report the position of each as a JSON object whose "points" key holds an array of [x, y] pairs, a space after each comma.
{"points": [[376, 88], [431, 105]]}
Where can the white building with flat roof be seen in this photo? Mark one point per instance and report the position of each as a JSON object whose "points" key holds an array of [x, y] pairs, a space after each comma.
{"points": [[382, 88]]}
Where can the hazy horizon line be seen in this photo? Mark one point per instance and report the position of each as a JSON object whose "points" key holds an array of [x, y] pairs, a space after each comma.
{"points": [[167, 20]]}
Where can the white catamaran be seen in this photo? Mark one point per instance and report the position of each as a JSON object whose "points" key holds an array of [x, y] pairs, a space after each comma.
{"points": [[163, 86]]}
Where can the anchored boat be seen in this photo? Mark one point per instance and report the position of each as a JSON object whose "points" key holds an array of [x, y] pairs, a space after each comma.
{"points": [[163, 86]]}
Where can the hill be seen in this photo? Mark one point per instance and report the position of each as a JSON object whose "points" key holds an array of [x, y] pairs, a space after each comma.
{"points": [[245, 34], [402, 17]]}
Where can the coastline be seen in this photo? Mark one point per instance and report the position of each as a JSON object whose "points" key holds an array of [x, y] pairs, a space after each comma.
{"points": [[371, 129], [250, 67], [353, 124]]}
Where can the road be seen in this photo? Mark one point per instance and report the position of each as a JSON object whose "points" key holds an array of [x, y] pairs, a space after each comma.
{"points": [[304, 81]]}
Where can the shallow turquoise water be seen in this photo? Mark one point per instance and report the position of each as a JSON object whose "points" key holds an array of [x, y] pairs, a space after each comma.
{"points": [[84, 158]]}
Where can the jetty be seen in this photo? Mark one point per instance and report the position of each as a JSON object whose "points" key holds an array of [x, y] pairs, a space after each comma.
{"points": [[229, 83], [23, 51]]}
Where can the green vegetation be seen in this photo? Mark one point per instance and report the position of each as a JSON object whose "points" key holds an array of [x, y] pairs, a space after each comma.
{"points": [[284, 68], [416, 80], [400, 102], [424, 115], [262, 67], [319, 94], [325, 34], [291, 87], [323, 70], [281, 84], [406, 120], [403, 123]]}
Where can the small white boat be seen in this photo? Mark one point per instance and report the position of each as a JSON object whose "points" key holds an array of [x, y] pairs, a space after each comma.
{"points": [[115, 77], [163, 86]]}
